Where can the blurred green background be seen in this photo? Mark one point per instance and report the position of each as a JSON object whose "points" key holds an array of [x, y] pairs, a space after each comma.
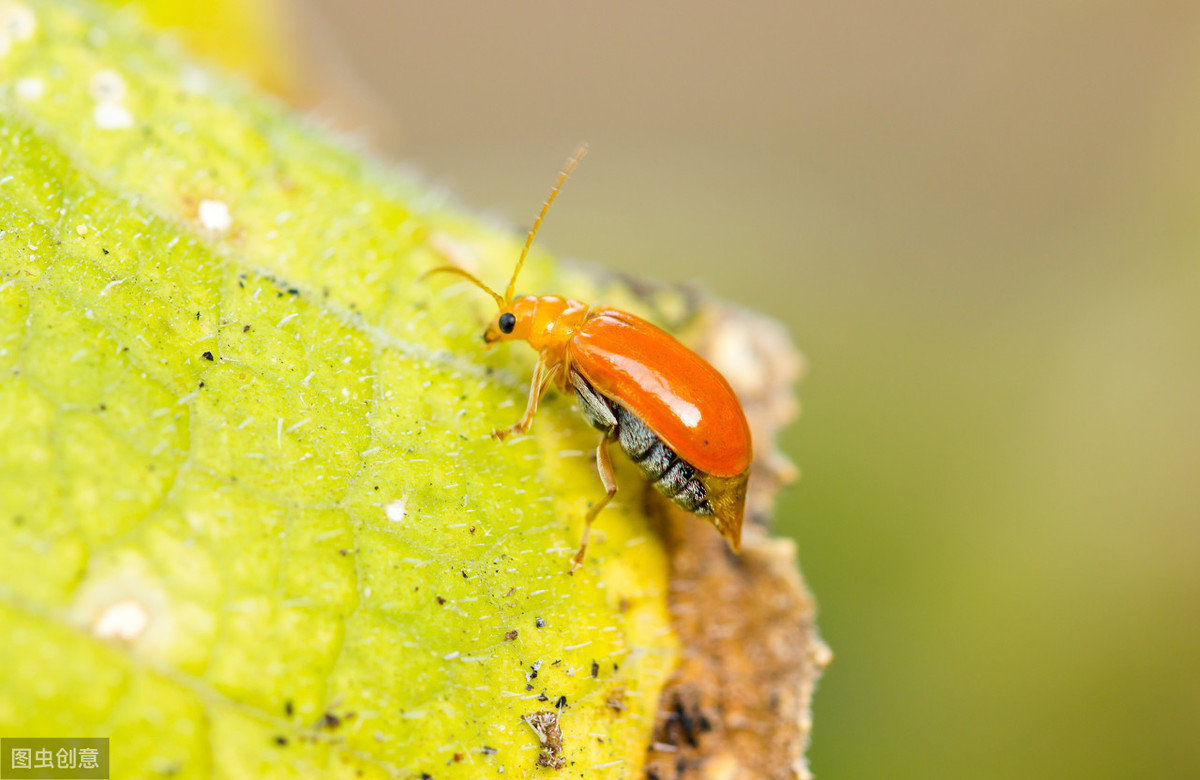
{"points": [[982, 224]]}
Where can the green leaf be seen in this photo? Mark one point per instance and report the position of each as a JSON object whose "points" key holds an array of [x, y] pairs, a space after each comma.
{"points": [[252, 522]]}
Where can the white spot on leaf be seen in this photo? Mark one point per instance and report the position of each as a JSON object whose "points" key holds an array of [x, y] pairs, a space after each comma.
{"points": [[129, 607], [17, 23], [123, 621], [214, 215], [30, 88], [112, 116], [396, 510]]}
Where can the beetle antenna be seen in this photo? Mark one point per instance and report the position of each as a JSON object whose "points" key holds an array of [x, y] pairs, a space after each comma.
{"points": [[562, 177], [472, 278]]}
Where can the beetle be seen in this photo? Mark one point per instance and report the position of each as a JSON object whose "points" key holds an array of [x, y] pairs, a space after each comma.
{"points": [[672, 413]]}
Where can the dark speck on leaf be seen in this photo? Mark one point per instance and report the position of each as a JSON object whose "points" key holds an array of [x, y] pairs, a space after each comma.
{"points": [[488, 751], [288, 708], [539, 622], [280, 740], [102, 249], [458, 757], [595, 669], [329, 721], [441, 600], [293, 291], [207, 356], [543, 697], [245, 329], [202, 384], [511, 635], [562, 702]]}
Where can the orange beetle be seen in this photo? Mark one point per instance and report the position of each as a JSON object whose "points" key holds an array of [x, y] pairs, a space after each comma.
{"points": [[673, 414]]}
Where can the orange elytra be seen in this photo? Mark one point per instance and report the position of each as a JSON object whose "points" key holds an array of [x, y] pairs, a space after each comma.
{"points": [[673, 414]]}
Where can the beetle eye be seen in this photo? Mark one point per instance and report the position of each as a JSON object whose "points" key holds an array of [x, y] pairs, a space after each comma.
{"points": [[507, 322]]}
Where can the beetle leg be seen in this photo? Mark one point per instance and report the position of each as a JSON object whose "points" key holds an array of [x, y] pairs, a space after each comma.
{"points": [[542, 374], [605, 467]]}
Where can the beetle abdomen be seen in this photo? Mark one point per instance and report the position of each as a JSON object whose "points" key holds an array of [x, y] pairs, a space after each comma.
{"points": [[672, 476]]}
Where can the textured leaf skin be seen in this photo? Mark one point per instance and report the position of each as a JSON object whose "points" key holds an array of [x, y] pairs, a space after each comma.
{"points": [[274, 444]]}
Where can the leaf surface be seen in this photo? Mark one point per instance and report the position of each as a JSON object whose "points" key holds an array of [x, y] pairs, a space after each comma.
{"points": [[252, 522]]}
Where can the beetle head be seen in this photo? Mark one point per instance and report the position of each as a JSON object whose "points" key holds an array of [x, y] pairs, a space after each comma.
{"points": [[513, 323], [514, 320]]}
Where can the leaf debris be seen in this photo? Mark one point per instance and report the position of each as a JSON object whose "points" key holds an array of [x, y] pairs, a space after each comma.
{"points": [[549, 733]]}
